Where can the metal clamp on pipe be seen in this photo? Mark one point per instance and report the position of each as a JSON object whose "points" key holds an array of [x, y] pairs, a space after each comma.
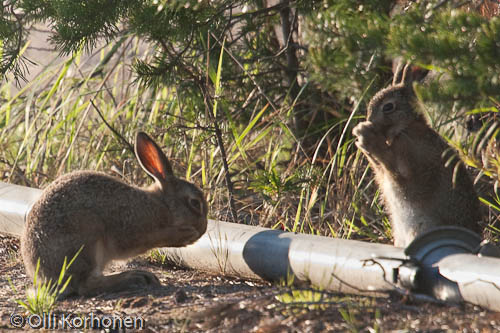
{"points": [[429, 269]]}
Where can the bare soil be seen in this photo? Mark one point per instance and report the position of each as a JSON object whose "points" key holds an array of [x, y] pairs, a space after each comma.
{"points": [[193, 301]]}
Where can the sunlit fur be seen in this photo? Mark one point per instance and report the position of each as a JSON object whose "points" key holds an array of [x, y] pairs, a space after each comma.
{"points": [[420, 189], [112, 220]]}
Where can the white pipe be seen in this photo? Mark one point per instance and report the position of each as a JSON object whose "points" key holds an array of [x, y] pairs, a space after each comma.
{"points": [[15, 203], [333, 264], [253, 252], [478, 278]]}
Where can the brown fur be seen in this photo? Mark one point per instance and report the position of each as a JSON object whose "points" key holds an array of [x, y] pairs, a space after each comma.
{"points": [[112, 220], [423, 181]]}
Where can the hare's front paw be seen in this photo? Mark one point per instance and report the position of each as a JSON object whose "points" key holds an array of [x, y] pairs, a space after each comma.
{"points": [[138, 279], [115, 283], [366, 135]]}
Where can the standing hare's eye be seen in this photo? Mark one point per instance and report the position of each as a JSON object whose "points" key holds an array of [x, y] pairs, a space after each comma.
{"points": [[388, 107]]}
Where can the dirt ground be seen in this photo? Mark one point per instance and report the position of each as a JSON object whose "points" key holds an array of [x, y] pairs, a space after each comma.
{"points": [[193, 301]]}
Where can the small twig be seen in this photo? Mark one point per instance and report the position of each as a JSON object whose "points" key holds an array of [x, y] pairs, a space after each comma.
{"points": [[218, 132], [260, 90], [103, 85], [220, 143], [439, 4], [115, 132], [16, 170], [80, 125]]}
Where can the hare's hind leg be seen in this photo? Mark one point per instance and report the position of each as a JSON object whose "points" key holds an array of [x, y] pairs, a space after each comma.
{"points": [[114, 283]]}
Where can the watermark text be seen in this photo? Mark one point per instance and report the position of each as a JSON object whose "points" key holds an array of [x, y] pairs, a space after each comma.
{"points": [[72, 321]]}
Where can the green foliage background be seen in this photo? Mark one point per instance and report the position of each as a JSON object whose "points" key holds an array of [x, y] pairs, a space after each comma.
{"points": [[253, 100]]}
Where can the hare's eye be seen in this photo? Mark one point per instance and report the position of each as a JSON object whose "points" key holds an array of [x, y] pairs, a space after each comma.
{"points": [[196, 205], [388, 107]]}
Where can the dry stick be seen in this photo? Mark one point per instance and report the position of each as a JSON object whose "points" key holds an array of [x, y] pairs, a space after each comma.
{"points": [[80, 125], [218, 133], [292, 61], [115, 132], [101, 115], [288, 28], [259, 89], [220, 143]]}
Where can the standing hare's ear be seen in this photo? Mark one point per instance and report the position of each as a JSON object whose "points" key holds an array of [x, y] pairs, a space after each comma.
{"points": [[152, 158], [406, 73], [403, 75]]}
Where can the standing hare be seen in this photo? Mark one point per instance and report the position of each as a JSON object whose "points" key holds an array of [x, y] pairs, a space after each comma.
{"points": [[423, 181], [113, 221]]}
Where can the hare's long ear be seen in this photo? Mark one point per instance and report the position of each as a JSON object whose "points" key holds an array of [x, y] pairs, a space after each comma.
{"points": [[396, 77], [151, 158], [406, 75], [402, 75]]}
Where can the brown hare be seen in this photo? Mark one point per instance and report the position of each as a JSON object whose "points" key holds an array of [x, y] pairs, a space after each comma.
{"points": [[113, 221], [423, 182]]}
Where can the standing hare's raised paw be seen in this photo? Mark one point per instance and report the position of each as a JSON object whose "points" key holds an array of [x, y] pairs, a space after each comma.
{"points": [[367, 136]]}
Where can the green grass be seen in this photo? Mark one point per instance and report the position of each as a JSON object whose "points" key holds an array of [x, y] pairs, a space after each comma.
{"points": [[42, 296], [68, 118], [295, 301], [74, 116], [155, 256]]}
